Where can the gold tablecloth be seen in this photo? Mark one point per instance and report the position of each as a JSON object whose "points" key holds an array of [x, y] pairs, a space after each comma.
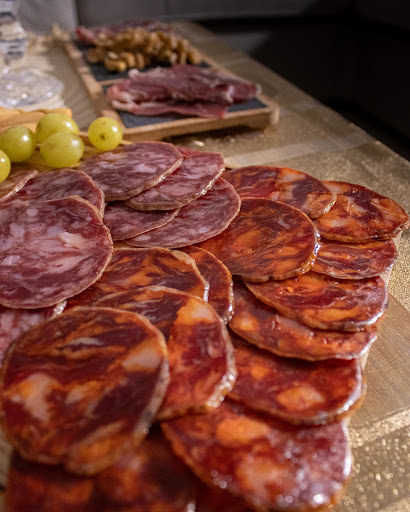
{"points": [[312, 138]]}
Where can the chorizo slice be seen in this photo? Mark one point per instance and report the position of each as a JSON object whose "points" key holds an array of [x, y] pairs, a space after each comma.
{"points": [[264, 327], [59, 184], [272, 465], [14, 182], [133, 268], [301, 392], [129, 170], [289, 186], [360, 215], [323, 302], [355, 261], [125, 222], [219, 278], [50, 251], [197, 174], [81, 389], [267, 240], [149, 478], [14, 322], [43, 488], [214, 499], [199, 220], [202, 367]]}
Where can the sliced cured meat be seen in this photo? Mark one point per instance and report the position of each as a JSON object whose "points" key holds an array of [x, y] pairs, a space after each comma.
{"points": [[266, 240], [196, 108], [59, 184], [81, 389], [201, 219], [296, 188], [355, 261], [198, 172], [214, 499], [14, 183], [43, 488], [130, 269], [263, 326], [272, 465], [148, 479], [90, 34], [321, 301], [127, 171], [201, 360], [296, 391], [360, 215], [50, 251], [125, 222], [219, 278], [13, 322]]}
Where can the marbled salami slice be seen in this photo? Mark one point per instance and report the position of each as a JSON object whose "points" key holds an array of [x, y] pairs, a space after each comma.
{"points": [[296, 188], [81, 389], [201, 219], [127, 171], [59, 184], [267, 240], [130, 269], [272, 465], [219, 278], [197, 174], [263, 326], [321, 301], [297, 391], [50, 251], [361, 215], [201, 360], [14, 322], [15, 181], [214, 499], [355, 261], [33, 487], [125, 222], [148, 479]]}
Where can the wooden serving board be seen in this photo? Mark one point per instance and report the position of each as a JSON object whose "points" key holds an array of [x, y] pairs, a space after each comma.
{"points": [[255, 113]]}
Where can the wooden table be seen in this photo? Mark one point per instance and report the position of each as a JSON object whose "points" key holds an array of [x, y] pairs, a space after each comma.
{"points": [[312, 138]]}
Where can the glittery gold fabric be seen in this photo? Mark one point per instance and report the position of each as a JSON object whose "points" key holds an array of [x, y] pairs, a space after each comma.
{"points": [[312, 138]]}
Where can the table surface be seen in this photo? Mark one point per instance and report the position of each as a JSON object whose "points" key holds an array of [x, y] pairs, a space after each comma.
{"points": [[312, 138]]}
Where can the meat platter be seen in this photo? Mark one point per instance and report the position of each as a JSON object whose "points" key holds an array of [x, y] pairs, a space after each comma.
{"points": [[255, 413], [255, 112]]}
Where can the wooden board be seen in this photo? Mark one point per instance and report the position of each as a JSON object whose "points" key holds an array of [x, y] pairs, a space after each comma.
{"points": [[255, 113]]}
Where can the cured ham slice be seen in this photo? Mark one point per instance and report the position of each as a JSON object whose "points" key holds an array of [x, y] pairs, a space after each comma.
{"points": [[263, 326], [130, 269], [197, 174], [125, 222], [201, 360], [266, 240], [360, 215], [50, 251], [295, 188], [81, 389], [272, 465], [321, 301], [15, 181], [201, 219], [127, 171], [57, 185], [355, 261], [300, 392], [219, 278]]}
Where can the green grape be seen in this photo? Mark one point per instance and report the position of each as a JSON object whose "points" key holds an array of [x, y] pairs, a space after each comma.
{"points": [[18, 142], [5, 166], [105, 133], [55, 123], [62, 149]]}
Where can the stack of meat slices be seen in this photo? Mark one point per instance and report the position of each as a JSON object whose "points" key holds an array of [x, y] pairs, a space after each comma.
{"points": [[249, 417]]}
